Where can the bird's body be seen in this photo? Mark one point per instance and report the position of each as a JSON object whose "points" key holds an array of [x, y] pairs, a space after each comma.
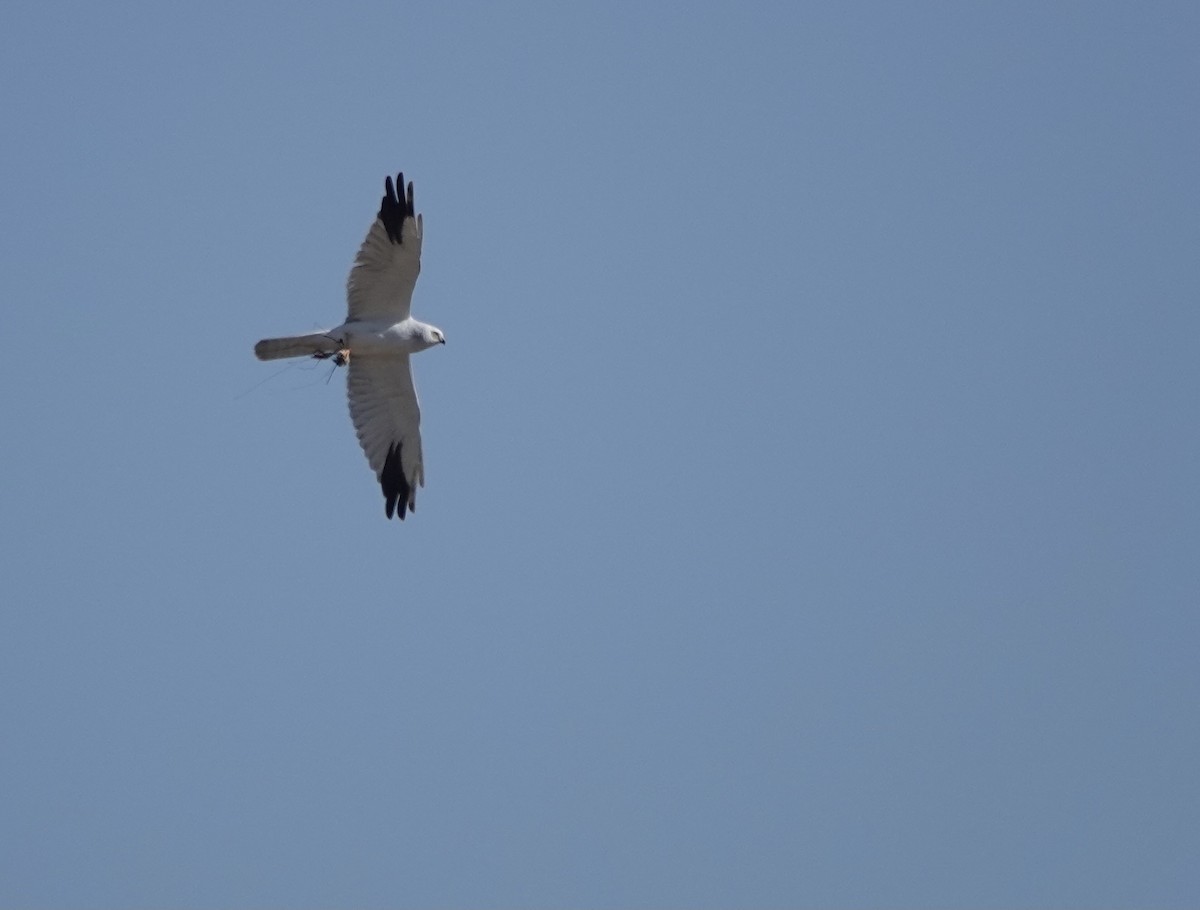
{"points": [[375, 342], [409, 336]]}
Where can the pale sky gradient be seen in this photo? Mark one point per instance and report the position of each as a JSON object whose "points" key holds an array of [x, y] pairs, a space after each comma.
{"points": [[812, 515]]}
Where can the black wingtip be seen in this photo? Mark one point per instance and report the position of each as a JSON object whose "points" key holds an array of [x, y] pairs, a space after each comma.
{"points": [[395, 208], [396, 489]]}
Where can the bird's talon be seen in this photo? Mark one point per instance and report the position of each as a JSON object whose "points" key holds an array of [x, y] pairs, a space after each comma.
{"points": [[340, 358]]}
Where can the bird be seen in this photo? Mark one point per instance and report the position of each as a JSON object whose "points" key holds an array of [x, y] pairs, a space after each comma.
{"points": [[376, 343]]}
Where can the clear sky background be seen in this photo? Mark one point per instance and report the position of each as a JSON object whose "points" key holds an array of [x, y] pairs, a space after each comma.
{"points": [[812, 513]]}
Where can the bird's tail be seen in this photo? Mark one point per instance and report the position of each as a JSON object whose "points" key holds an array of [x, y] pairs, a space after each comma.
{"points": [[295, 346]]}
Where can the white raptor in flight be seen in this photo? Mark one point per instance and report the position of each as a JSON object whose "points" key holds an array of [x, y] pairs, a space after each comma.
{"points": [[375, 343]]}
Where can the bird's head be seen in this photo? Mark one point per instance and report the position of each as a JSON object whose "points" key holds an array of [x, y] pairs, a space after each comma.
{"points": [[434, 336]]}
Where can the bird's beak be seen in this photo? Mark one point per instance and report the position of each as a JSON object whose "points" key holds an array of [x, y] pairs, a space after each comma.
{"points": [[443, 339]]}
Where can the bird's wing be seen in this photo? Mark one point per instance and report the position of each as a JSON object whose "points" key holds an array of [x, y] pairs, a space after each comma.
{"points": [[387, 419], [385, 270]]}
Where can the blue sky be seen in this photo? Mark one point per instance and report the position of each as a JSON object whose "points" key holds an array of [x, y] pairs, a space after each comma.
{"points": [[811, 517]]}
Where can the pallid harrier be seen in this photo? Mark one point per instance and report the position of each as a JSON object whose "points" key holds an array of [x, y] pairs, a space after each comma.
{"points": [[375, 344]]}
